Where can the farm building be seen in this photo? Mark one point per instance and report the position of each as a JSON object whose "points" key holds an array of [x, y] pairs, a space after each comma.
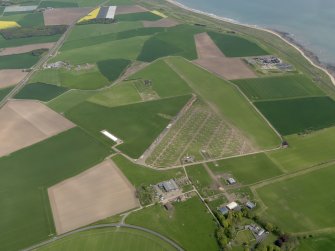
{"points": [[224, 210], [231, 181], [168, 186], [110, 136], [250, 205], [232, 205]]}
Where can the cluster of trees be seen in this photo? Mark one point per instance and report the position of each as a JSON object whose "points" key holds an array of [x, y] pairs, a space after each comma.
{"points": [[24, 32], [145, 194], [98, 21], [227, 230], [229, 225], [38, 52]]}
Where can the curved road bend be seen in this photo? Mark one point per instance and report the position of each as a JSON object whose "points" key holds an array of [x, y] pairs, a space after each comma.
{"points": [[172, 243]]}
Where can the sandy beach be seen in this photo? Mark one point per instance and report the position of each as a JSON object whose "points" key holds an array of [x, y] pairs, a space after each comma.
{"points": [[298, 48]]}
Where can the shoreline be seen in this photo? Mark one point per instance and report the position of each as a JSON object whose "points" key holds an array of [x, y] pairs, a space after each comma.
{"points": [[308, 55]]}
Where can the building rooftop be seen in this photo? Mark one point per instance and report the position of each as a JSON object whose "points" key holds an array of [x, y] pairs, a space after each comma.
{"points": [[232, 205]]}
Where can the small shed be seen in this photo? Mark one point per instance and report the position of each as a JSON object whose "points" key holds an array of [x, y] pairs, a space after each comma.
{"points": [[250, 205]]}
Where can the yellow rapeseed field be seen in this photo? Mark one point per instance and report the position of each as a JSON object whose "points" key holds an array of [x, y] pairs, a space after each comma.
{"points": [[8, 24], [92, 15], [156, 12]]}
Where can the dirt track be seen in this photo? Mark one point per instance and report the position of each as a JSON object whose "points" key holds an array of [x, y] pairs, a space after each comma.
{"points": [[25, 48], [212, 59], [64, 16], [95, 194], [11, 77], [24, 123], [164, 22], [127, 9]]}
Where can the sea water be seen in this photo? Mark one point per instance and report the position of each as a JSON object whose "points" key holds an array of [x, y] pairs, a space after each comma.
{"points": [[311, 23]]}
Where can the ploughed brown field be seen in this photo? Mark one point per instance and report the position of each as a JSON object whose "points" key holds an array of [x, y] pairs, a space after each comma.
{"points": [[11, 77], [164, 22], [26, 122], [212, 59], [25, 48], [93, 195], [127, 9], [64, 16]]}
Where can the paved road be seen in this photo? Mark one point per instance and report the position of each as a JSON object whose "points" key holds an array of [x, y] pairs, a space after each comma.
{"points": [[172, 243], [36, 67]]}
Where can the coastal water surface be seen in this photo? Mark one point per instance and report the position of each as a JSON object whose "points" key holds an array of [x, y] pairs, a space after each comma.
{"points": [[310, 22]]}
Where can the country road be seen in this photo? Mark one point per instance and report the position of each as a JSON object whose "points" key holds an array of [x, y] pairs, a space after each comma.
{"points": [[37, 66], [172, 243]]}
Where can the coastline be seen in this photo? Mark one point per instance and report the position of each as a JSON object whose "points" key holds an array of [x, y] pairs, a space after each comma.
{"points": [[308, 55]]}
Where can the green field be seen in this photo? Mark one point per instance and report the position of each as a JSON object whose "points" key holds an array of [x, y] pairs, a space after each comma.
{"points": [[69, 100], [95, 31], [141, 16], [40, 91], [247, 169], [136, 124], [299, 115], [202, 181], [121, 94], [28, 40], [108, 35], [57, 4], [25, 19], [176, 41], [163, 79], [278, 87], [302, 203], [125, 48], [4, 92], [116, 239], [139, 175], [189, 224], [113, 68], [18, 61], [306, 150], [85, 79], [25, 207], [317, 243], [227, 100], [235, 46]]}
